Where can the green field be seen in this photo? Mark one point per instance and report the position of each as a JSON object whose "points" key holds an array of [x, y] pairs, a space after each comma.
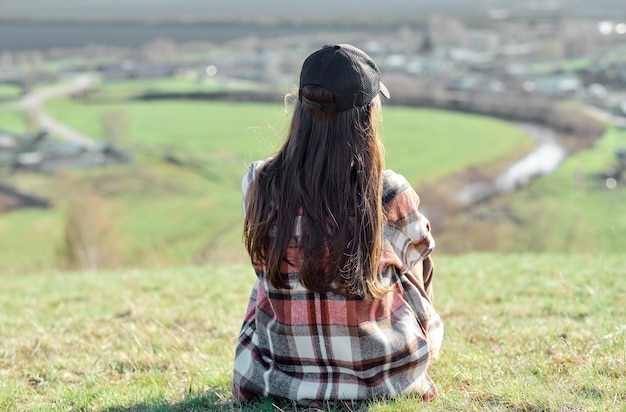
{"points": [[566, 211], [524, 332], [190, 83], [162, 213], [12, 120], [9, 92]]}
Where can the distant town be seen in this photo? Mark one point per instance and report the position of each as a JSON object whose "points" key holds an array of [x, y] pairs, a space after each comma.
{"points": [[555, 57]]}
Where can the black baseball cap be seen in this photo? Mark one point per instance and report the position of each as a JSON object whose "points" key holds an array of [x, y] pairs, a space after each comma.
{"points": [[346, 71]]}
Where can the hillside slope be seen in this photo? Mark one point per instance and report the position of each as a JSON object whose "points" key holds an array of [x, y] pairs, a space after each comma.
{"points": [[524, 332]]}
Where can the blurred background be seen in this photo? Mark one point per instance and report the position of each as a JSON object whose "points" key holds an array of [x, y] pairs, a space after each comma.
{"points": [[125, 125]]}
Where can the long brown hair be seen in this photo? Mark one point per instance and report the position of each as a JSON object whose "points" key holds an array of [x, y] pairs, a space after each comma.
{"points": [[329, 169]]}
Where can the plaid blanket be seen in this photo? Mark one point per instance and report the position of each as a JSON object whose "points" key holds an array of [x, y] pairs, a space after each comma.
{"points": [[310, 347]]}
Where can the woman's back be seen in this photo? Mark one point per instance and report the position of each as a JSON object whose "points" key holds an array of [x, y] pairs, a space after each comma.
{"points": [[306, 346]]}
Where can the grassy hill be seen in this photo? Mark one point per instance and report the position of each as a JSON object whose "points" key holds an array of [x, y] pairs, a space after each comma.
{"points": [[524, 332]]}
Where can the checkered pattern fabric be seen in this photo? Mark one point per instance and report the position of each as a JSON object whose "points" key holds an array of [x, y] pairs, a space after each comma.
{"points": [[309, 347]]}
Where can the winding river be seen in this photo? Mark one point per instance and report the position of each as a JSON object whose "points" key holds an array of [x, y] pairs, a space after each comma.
{"points": [[547, 156]]}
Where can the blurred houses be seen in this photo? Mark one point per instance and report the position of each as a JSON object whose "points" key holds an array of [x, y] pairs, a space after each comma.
{"points": [[132, 69], [39, 152], [12, 198]]}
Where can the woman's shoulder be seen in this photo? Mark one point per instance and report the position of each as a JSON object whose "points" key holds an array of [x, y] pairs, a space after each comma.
{"points": [[255, 166], [393, 184], [251, 172]]}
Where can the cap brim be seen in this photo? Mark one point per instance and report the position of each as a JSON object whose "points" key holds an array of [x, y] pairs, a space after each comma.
{"points": [[384, 91]]}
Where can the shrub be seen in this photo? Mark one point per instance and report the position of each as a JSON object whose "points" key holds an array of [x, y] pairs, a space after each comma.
{"points": [[90, 239]]}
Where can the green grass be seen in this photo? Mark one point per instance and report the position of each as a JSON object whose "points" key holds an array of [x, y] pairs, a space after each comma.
{"points": [[246, 130], [568, 211], [189, 83], [12, 120], [9, 92], [526, 332], [166, 214]]}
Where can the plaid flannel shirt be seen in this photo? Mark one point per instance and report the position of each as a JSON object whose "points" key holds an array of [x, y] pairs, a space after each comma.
{"points": [[310, 347]]}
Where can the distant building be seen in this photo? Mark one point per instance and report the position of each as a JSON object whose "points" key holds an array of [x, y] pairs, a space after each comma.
{"points": [[40, 152], [131, 69], [558, 85]]}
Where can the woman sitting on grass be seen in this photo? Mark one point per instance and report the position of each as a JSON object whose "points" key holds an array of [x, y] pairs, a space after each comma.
{"points": [[342, 307]]}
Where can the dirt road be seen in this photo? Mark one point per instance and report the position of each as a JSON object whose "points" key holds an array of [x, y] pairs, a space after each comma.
{"points": [[32, 104]]}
